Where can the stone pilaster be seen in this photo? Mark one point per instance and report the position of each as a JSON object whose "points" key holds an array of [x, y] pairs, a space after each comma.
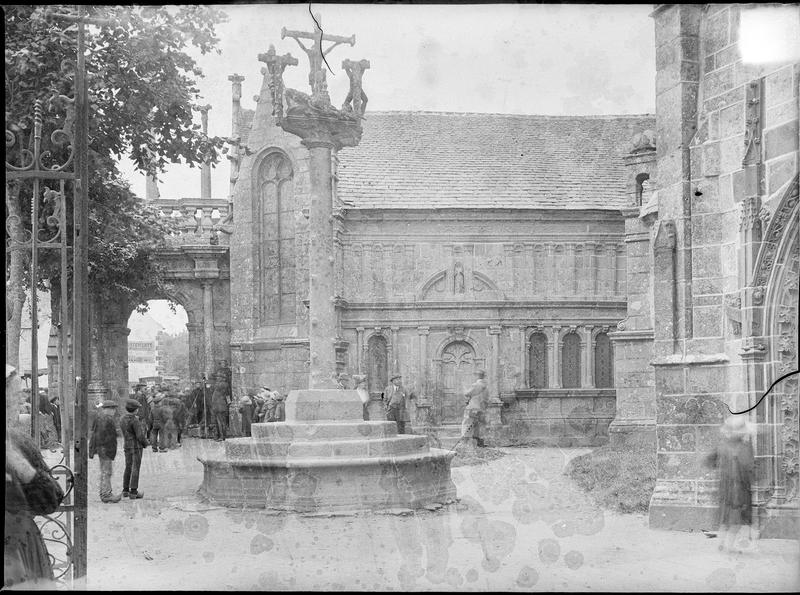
{"points": [[555, 366], [360, 349], [208, 327], [587, 347]]}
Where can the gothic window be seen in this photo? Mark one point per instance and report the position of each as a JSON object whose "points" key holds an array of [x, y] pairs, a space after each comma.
{"points": [[603, 362], [275, 217], [537, 361], [378, 364], [571, 361]]}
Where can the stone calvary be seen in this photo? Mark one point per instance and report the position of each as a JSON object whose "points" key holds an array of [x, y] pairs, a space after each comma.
{"points": [[324, 457]]}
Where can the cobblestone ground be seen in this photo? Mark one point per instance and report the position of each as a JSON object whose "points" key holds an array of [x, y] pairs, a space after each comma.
{"points": [[520, 525]]}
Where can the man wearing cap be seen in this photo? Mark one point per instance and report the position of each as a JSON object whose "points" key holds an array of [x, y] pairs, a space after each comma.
{"points": [[103, 442], [394, 398], [477, 398], [135, 440]]}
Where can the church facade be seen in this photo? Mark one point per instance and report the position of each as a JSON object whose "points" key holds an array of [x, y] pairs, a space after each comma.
{"points": [[463, 242]]}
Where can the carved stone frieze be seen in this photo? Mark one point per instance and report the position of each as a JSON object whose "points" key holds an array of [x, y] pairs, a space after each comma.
{"points": [[772, 237]]}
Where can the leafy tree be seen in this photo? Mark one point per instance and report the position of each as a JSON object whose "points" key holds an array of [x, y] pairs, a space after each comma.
{"points": [[173, 354], [142, 92]]}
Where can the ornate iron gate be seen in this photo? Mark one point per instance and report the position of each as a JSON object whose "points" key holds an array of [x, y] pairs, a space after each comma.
{"points": [[36, 199]]}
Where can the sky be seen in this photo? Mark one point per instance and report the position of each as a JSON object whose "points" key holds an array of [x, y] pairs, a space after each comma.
{"points": [[513, 58]]}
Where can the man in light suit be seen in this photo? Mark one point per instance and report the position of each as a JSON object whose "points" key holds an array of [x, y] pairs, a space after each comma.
{"points": [[394, 400]]}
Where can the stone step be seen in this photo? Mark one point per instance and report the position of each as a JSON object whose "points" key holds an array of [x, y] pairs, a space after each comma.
{"points": [[249, 449], [322, 431]]}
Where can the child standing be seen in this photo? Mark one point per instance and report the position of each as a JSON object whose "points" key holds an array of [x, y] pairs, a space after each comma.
{"points": [[135, 440]]}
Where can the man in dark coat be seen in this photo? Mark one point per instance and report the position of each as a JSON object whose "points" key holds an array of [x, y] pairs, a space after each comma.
{"points": [[134, 441], [157, 423], [220, 400], [395, 403], [103, 442], [197, 403]]}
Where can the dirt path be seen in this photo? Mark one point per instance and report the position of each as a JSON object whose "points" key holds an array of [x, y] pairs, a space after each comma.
{"points": [[520, 525]]}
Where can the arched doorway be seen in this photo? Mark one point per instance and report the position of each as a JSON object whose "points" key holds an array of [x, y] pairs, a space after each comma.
{"points": [[458, 367]]}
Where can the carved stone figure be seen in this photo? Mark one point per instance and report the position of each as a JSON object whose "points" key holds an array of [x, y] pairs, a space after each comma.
{"points": [[356, 100], [458, 278], [276, 65], [316, 55]]}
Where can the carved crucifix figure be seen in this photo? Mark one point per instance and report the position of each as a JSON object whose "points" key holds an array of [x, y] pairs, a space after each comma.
{"points": [[356, 100], [276, 65], [316, 55]]}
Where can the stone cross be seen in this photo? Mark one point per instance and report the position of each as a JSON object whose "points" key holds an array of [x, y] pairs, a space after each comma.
{"points": [[316, 55], [276, 65]]}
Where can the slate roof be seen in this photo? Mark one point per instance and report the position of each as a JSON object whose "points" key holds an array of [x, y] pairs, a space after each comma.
{"points": [[428, 160]]}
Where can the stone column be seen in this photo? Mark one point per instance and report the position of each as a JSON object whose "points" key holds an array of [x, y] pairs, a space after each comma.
{"points": [[205, 168], [196, 361], [423, 332], [320, 263], [522, 382], [395, 349], [236, 111], [587, 345], [494, 385], [360, 349], [208, 327]]}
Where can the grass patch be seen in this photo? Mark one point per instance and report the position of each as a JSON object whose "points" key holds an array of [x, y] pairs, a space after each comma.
{"points": [[620, 479]]}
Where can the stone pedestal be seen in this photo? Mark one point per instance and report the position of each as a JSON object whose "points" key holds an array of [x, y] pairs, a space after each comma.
{"points": [[325, 458]]}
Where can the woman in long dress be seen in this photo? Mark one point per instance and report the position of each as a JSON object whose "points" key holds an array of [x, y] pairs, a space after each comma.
{"points": [[733, 458], [30, 491]]}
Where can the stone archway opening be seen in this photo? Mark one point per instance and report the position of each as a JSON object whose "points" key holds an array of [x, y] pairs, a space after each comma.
{"points": [[159, 348]]}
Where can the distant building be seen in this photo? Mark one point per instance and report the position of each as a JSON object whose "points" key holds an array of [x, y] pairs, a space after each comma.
{"points": [[143, 347]]}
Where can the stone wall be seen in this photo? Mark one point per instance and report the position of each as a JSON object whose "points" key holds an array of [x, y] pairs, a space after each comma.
{"points": [[727, 145]]}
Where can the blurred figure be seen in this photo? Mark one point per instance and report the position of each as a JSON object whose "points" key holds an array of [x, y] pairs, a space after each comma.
{"points": [[103, 442], [474, 420], [733, 457], [246, 411], [49, 437], [30, 491], [220, 401], [279, 413], [363, 393], [56, 409]]}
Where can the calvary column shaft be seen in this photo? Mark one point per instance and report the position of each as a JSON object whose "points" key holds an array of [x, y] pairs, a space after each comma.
{"points": [[322, 327]]}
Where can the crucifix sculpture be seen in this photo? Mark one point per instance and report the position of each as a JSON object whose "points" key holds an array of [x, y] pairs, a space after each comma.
{"points": [[322, 129], [316, 55]]}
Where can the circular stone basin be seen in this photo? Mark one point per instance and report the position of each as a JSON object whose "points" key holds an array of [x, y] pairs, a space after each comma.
{"points": [[324, 458]]}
